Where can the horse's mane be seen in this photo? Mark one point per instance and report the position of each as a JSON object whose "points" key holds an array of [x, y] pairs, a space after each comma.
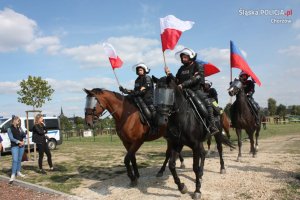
{"points": [[102, 90]]}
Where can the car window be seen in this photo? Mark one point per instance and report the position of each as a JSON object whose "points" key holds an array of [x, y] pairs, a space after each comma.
{"points": [[6, 126], [52, 124]]}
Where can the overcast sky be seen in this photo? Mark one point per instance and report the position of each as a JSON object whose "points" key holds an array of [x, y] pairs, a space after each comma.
{"points": [[61, 41]]}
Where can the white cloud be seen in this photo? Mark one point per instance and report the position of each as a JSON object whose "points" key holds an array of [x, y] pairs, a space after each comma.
{"points": [[64, 86], [16, 30], [51, 43], [9, 87], [19, 32], [130, 49], [296, 24], [291, 51]]}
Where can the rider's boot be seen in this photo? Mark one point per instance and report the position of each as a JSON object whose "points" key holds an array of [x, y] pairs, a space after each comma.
{"points": [[212, 128]]}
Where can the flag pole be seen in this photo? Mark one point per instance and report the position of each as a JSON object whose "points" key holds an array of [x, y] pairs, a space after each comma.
{"points": [[164, 59], [116, 78]]}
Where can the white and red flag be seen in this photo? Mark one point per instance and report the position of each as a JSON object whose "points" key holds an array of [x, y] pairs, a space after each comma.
{"points": [[114, 59], [171, 30]]}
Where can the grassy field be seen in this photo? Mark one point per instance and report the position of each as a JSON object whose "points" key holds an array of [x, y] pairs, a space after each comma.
{"points": [[78, 159]]}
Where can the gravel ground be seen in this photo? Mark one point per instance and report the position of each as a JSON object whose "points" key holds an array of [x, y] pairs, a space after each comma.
{"points": [[273, 174], [268, 176]]}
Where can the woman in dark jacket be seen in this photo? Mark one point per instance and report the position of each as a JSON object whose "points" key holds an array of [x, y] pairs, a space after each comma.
{"points": [[39, 137]]}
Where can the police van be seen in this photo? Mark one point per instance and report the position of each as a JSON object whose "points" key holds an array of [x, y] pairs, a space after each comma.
{"points": [[52, 124]]}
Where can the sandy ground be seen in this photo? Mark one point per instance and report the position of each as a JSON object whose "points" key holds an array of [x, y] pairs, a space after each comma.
{"points": [[265, 177]]}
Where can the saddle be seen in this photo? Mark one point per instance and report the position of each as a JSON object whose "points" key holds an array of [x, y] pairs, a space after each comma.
{"points": [[144, 112]]}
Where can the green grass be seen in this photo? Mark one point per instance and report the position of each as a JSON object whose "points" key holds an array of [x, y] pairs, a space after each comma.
{"points": [[102, 158], [273, 130]]}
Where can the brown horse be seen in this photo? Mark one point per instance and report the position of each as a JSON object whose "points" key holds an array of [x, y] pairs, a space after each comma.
{"points": [[132, 132], [225, 123], [242, 117]]}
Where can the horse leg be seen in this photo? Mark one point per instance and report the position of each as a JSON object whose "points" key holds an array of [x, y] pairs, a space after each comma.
{"points": [[163, 167], [198, 170], [256, 138], [252, 149], [130, 157], [220, 150], [208, 146], [239, 137], [131, 176], [182, 165], [202, 155], [172, 166]]}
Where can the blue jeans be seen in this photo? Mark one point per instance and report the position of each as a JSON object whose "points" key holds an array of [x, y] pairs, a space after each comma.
{"points": [[17, 154]]}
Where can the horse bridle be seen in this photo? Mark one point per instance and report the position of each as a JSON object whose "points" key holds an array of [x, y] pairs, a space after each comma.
{"points": [[91, 104]]}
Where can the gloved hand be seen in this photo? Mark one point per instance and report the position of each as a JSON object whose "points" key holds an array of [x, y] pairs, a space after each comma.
{"points": [[125, 91]]}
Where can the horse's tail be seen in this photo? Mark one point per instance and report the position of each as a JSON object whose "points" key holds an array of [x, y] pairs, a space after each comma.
{"points": [[226, 141], [225, 123]]}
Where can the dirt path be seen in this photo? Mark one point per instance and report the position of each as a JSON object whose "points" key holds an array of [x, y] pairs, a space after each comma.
{"points": [[274, 174]]}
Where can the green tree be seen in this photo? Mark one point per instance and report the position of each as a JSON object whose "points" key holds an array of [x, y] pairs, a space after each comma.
{"points": [[295, 110], [34, 92], [281, 110], [65, 124], [272, 106]]}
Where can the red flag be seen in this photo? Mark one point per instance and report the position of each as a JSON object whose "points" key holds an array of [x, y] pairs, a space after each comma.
{"points": [[171, 30], [114, 59], [237, 61], [209, 69]]}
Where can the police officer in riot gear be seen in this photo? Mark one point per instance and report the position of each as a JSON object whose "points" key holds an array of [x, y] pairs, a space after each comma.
{"points": [[211, 92], [249, 89], [143, 88], [191, 75]]}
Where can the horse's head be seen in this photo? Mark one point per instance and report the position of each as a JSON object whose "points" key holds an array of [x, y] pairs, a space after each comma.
{"points": [[93, 107], [163, 99], [235, 87]]}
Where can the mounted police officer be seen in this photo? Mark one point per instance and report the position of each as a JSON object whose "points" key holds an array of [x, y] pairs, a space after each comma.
{"points": [[191, 75], [249, 89], [143, 93], [211, 92]]}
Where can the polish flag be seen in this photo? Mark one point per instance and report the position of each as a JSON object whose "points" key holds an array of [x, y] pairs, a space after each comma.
{"points": [[114, 59], [171, 29]]}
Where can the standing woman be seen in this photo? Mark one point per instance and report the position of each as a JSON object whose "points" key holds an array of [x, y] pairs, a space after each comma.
{"points": [[39, 137], [16, 136]]}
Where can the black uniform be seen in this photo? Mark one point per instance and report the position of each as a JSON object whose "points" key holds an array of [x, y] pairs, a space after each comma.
{"points": [[212, 93], [146, 94], [249, 89], [192, 76]]}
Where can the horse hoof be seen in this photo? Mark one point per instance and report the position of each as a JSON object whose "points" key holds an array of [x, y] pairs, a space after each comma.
{"points": [[256, 148], [159, 174], [133, 183], [254, 156], [197, 195], [183, 189], [222, 171], [182, 166], [231, 149], [239, 159]]}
